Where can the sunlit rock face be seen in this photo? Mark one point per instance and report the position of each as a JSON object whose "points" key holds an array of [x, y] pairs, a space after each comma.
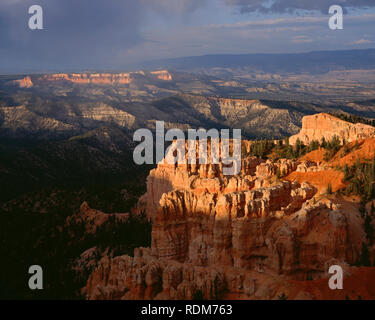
{"points": [[92, 78], [323, 125], [162, 75], [230, 235], [24, 82]]}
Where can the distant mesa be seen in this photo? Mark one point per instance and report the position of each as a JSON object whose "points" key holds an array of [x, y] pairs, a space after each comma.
{"points": [[24, 83], [323, 125], [92, 78], [162, 75]]}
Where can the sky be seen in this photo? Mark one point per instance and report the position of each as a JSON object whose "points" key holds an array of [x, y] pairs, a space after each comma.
{"points": [[119, 34]]}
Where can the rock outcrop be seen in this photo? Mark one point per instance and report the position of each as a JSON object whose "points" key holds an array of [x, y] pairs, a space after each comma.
{"points": [[106, 113], [25, 82], [93, 219], [219, 236], [162, 75], [323, 125], [241, 256], [198, 178], [92, 78]]}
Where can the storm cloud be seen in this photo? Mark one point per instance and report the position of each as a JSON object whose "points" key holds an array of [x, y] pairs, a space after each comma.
{"points": [[74, 31], [116, 34], [179, 7], [77, 33], [291, 6]]}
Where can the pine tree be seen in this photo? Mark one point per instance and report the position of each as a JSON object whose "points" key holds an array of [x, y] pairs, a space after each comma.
{"points": [[346, 173], [282, 296], [362, 209], [298, 148], [323, 144], [345, 150], [278, 174], [365, 256], [314, 145], [369, 229], [356, 146], [329, 188]]}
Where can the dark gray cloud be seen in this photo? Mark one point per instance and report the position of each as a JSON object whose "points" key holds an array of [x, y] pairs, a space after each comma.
{"points": [[103, 34], [178, 7], [289, 6], [77, 33]]}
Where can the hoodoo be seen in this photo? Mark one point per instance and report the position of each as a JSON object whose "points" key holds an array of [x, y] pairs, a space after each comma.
{"points": [[221, 237]]}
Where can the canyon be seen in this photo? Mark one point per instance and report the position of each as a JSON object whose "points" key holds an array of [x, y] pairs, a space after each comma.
{"points": [[79, 102], [269, 232], [250, 236]]}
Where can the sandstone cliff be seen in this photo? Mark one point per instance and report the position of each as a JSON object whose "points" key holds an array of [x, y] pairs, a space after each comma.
{"points": [[323, 125], [221, 256], [162, 75], [25, 82], [228, 236], [91, 78]]}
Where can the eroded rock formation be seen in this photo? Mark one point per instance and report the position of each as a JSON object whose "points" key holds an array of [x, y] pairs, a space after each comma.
{"points": [[162, 75], [323, 125], [224, 236], [93, 219], [236, 256], [25, 82], [92, 78]]}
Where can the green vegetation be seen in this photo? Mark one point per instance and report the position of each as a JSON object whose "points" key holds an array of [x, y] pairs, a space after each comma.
{"points": [[283, 150], [369, 229], [361, 179], [354, 119], [289, 152], [329, 188], [365, 256], [261, 148], [198, 295], [283, 296], [28, 239], [345, 150], [332, 147]]}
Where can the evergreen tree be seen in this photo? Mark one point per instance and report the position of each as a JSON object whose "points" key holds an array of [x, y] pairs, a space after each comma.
{"points": [[369, 229], [345, 150], [278, 174], [323, 144], [347, 174], [314, 145], [298, 148], [329, 188], [365, 256], [282, 296], [356, 146]]}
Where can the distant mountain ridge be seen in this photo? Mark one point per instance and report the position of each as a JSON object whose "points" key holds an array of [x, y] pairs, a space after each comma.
{"points": [[315, 62]]}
